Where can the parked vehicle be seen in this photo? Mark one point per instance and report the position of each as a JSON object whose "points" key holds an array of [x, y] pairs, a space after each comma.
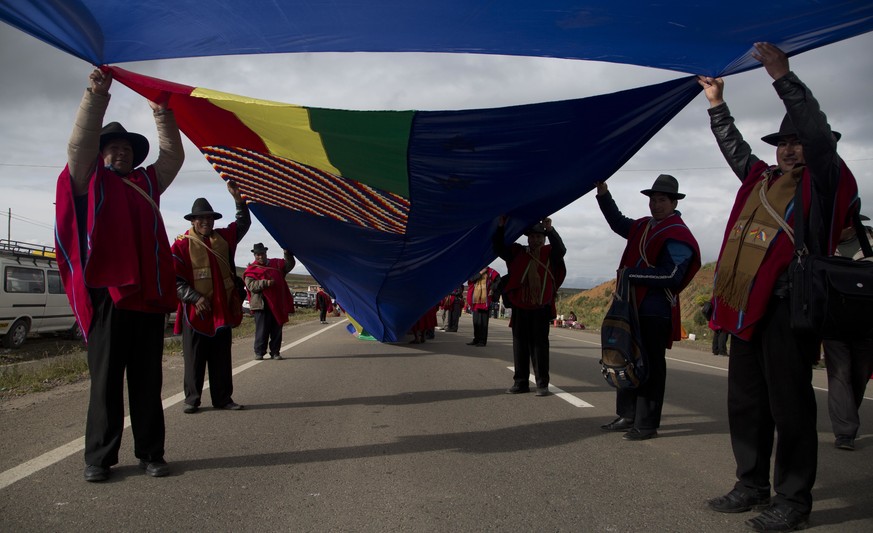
{"points": [[302, 299], [32, 298]]}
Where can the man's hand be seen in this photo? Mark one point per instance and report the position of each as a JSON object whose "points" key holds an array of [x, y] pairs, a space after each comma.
{"points": [[602, 188], [158, 108], [713, 89], [774, 60], [100, 81], [233, 189], [547, 223], [203, 305]]}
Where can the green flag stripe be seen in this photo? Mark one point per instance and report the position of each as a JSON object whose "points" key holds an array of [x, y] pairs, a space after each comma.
{"points": [[367, 146]]}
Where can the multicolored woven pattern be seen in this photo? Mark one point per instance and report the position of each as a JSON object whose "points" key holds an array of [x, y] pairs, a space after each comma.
{"points": [[279, 182]]}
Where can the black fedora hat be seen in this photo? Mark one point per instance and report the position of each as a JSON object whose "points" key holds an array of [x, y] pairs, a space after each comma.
{"points": [[138, 143], [201, 208], [536, 228], [665, 184], [787, 129], [259, 248]]}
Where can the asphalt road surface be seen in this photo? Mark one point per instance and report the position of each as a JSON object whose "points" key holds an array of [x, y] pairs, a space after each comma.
{"points": [[352, 435]]}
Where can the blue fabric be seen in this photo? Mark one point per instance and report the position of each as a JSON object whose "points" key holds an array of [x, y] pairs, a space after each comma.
{"points": [[466, 168], [682, 35]]}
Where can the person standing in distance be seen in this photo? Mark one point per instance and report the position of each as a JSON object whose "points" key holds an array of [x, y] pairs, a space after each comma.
{"points": [[535, 273], [269, 299], [479, 295]]}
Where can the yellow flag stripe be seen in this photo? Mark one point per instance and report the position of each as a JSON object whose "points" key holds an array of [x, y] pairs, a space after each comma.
{"points": [[285, 129]]}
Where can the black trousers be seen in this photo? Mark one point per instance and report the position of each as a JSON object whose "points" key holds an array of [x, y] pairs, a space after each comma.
{"points": [[200, 351], [268, 333], [480, 326], [322, 314], [770, 388], [849, 365], [530, 345], [122, 341], [720, 342], [644, 404], [454, 318]]}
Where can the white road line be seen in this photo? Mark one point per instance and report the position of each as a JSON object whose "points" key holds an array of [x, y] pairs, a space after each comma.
{"points": [[59, 454], [306, 338], [566, 396]]}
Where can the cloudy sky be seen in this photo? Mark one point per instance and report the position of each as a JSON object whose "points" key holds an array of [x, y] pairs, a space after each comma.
{"points": [[41, 88]]}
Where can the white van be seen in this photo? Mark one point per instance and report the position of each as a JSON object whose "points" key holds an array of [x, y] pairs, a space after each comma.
{"points": [[32, 298]]}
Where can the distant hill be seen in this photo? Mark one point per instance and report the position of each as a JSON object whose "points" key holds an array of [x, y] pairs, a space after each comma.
{"points": [[591, 305]]}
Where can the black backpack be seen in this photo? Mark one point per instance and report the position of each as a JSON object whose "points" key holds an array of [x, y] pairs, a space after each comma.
{"points": [[623, 361]]}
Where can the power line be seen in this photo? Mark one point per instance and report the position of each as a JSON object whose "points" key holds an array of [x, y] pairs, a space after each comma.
{"points": [[27, 220]]}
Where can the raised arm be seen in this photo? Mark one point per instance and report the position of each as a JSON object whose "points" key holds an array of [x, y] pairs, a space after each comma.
{"points": [[290, 262], [559, 250], [243, 217], [819, 143], [501, 250], [84, 144], [734, 148], [171, 153], [618, 223]]}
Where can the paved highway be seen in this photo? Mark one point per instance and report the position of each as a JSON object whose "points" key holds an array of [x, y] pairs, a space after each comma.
{"points": [[351, 435]]}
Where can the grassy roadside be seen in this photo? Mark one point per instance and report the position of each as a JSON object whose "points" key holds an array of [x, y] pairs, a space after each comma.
{"points": [[67, 366]]}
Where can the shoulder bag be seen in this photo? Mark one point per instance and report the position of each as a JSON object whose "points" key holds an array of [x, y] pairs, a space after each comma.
{"points": [[623, 361], [831, 296]]}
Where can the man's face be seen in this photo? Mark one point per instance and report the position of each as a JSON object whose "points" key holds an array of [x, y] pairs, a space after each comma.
{"points": [[203, 225], [260, 258], [535, 240], [661, 205], [789, 153], [118, 153]]}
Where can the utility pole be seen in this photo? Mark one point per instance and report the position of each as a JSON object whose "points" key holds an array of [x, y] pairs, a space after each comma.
{"points": [[9, 226]]}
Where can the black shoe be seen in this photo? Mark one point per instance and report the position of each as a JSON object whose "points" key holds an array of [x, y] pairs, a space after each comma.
{"points": [[640, 434], [259, 358], [542, 391], [779, 517], [276, 357], [843, 442], [738, 501], [95, 473], [472, 343], [190, 409], [619, 424], [158, 468], [517, 389], [231, 406], [480, 344]]}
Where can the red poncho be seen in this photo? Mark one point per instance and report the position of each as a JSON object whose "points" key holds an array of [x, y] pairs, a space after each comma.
{"points": [[277, 296], [128, 251]]}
